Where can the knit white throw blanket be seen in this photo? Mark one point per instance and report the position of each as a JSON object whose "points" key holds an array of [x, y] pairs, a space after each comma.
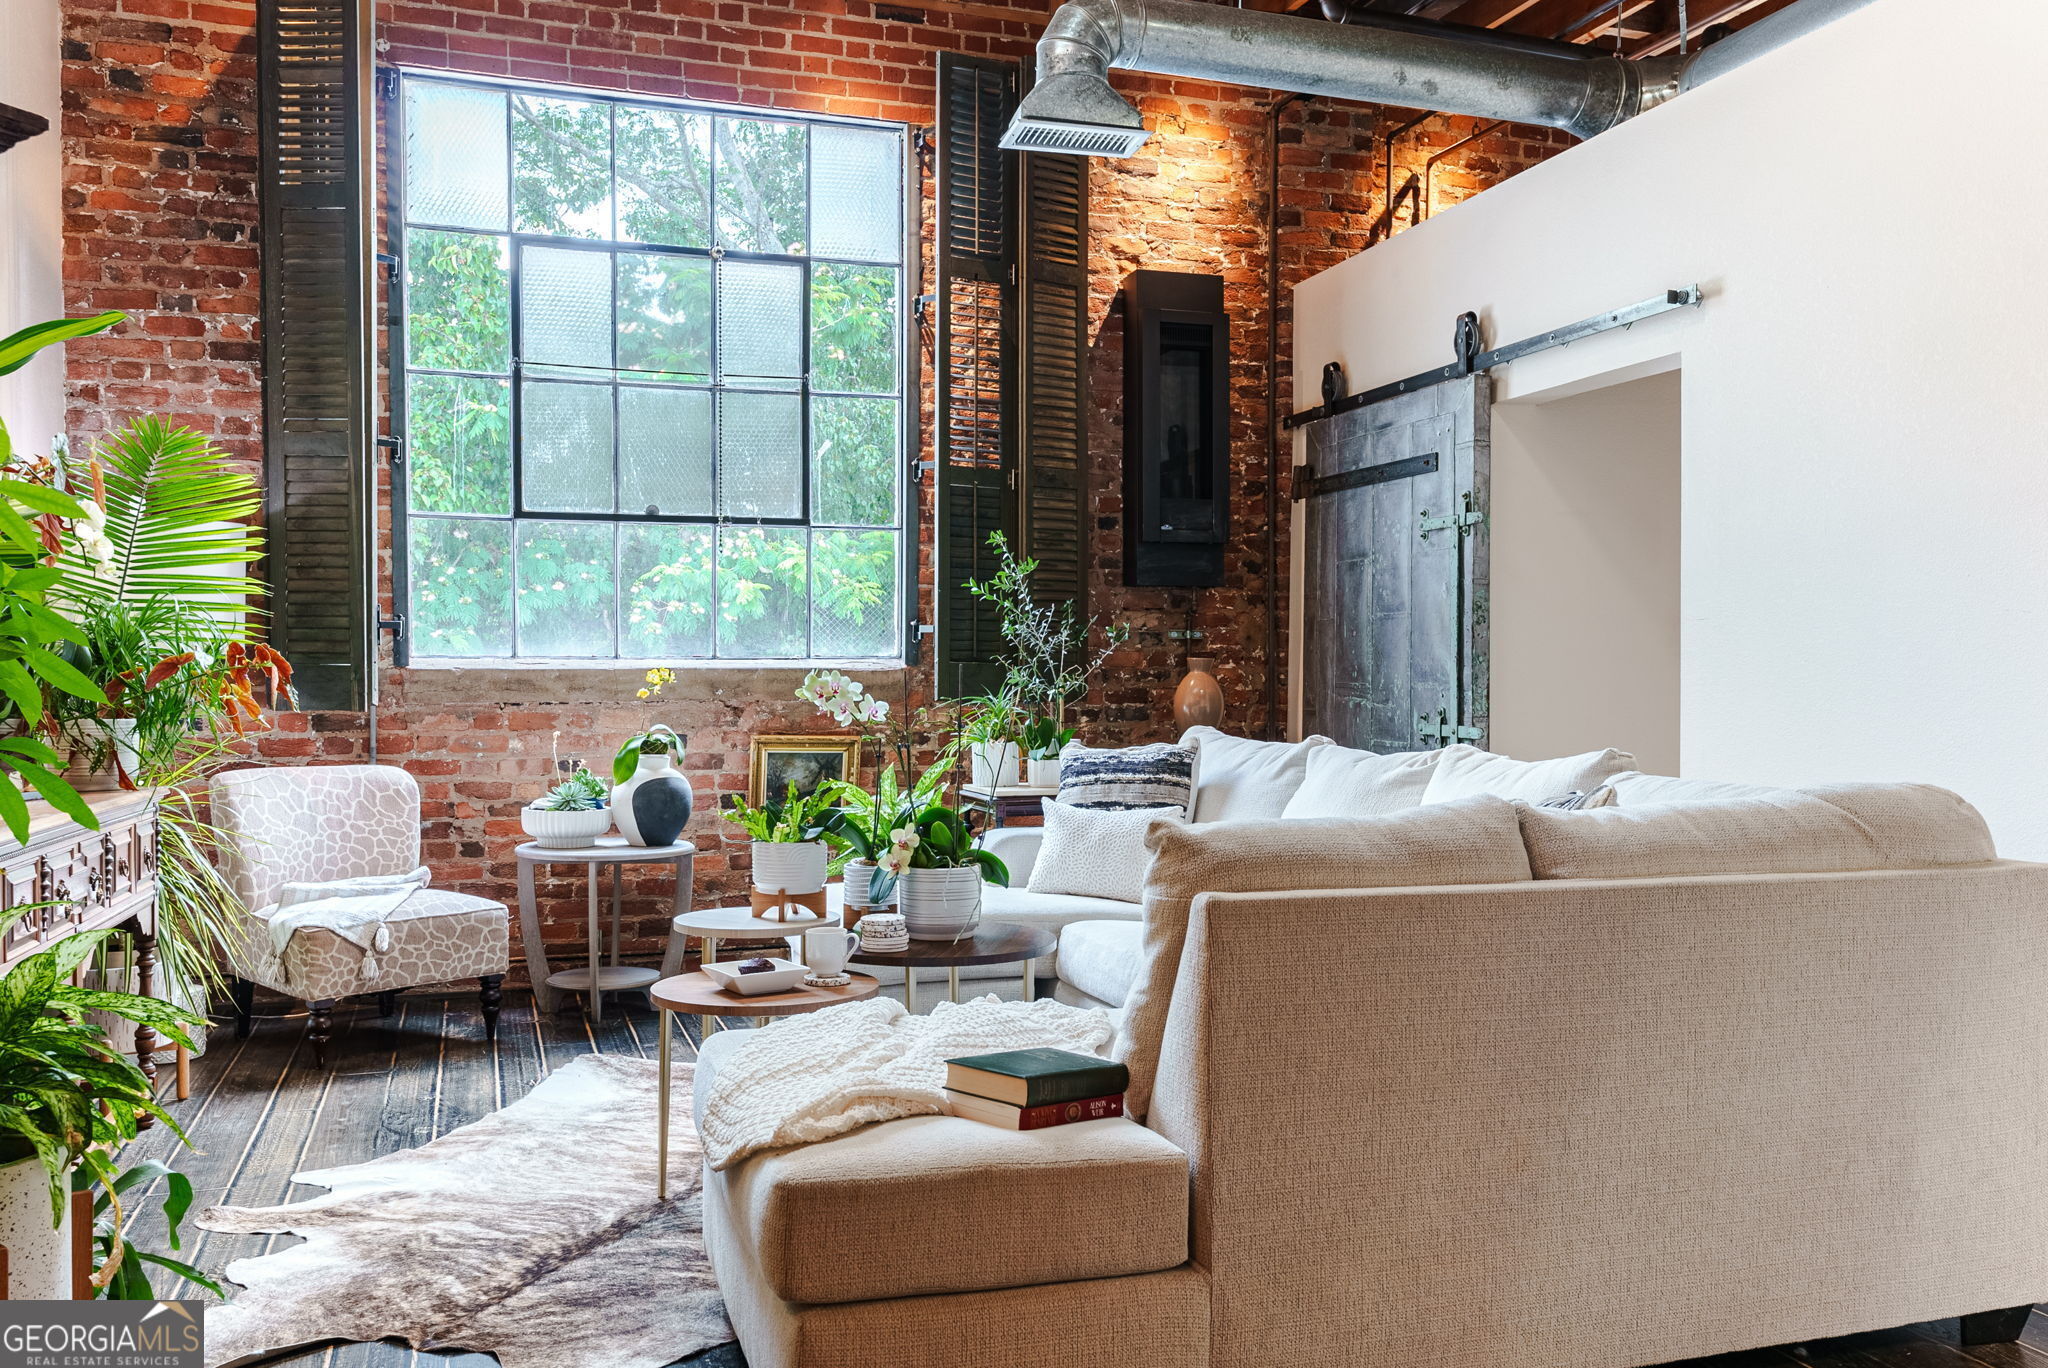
{"points": [[808, 1078], [353, 909]]}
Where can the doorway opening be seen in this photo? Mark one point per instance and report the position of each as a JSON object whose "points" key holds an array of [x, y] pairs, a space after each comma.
{"points": [[1585, 595]]}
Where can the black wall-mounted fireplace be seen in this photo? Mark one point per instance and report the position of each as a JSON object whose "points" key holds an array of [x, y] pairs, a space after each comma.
{"points": [[1176, 428]]}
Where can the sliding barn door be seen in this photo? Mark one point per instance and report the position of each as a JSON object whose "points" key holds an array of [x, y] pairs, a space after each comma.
{"points": [[1395, 571]]}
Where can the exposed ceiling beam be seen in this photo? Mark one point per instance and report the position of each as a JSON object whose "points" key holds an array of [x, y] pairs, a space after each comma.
{"points": [[1741, 13], [1598, 22], [1490, 13]]}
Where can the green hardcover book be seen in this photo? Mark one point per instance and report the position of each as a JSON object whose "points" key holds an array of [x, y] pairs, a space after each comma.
{"points": [[1035, 1078]]}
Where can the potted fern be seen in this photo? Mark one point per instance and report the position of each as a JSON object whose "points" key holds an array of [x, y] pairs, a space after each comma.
{"points": [[571, 815]]}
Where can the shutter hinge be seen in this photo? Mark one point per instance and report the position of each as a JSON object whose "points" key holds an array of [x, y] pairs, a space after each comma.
{"points": [[387, 83], [1013, 479], [921, 306], [925, 468], [387, 259], [922, 629], [394, 445], [393, 625]]}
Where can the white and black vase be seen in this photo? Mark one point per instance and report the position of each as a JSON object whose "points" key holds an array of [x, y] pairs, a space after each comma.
{"points": [[653, 807]]}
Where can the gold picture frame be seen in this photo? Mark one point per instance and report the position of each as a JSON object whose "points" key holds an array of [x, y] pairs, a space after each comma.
{"points": [[808, 760]]}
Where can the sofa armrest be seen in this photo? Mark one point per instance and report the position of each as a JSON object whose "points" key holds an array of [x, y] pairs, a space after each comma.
{"points": [[1017, 848]]}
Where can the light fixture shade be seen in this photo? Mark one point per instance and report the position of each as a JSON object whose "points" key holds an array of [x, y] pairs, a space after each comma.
{"points": [[1078, 114]]}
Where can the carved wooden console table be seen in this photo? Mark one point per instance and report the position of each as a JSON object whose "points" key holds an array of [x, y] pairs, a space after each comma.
{"points": [[90, 880]]}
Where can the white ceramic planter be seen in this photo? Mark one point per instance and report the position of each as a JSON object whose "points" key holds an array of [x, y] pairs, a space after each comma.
{"points": [[860, 877], [995, 764], [1044, 773], [565, 830], [88, 778], [38, 1254], [789, 866], [940, 904]]}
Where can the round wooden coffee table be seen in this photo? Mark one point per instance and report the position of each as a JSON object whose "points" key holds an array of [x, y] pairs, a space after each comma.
{"points": [[700, 995], [714, 924], [997, 942]]}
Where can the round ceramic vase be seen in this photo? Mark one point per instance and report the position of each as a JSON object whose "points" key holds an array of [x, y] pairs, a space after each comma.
{"points": [[38, 1253], [1198, 700], [789, 866], [940, 904], [653, 806]]}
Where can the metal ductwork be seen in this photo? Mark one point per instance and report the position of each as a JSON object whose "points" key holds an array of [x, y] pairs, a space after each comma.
{"points": [[1073, 109]]}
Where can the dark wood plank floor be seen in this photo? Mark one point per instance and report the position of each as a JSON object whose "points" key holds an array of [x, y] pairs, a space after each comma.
{"points": [[260, 1112]]}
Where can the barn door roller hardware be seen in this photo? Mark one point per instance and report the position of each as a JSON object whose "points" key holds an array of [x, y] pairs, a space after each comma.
{"points": [[1466, 342]]}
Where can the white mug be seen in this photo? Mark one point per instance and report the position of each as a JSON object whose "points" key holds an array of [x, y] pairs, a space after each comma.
{"points": [[826, 949]]}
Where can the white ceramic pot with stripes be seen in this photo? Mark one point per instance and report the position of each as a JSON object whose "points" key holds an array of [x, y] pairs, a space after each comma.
{"points": [[940, 904], [789, 866]]}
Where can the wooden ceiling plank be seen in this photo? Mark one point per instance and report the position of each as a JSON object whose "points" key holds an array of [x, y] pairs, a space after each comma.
{"points": [[1490, 13], [1740, 13]]}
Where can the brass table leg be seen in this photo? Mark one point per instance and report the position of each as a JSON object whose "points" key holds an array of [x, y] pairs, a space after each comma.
{"points": [[661, 1160], [707, 1024], [596, 1000], [909, 989], [952, 984]]}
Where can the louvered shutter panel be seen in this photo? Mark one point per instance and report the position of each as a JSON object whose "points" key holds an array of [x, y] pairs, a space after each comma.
{"points": [[1053, 465], [977, 438], [316, 367]]}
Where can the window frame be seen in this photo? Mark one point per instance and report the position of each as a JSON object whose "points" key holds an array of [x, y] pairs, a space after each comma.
{"points": [[908, 267]]}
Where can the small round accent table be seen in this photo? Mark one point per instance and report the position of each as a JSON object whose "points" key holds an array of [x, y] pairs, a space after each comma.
{"points": [[598, 978], [701, 995], [997, 942], [714, 924]]}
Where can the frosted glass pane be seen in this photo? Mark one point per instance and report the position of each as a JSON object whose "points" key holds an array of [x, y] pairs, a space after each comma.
{"points": [[454, 155], [760, 185], [566, 599], [561, 166], [664, 318], [665, 579], [760, 320], [853, 594], [565, 434], [664, 178], [763, 603], [856, 193], [854, 460], [565, 308], [458, 302], [461, 587], [665, 451], [459, 444], [853, 328], [760, 456]]}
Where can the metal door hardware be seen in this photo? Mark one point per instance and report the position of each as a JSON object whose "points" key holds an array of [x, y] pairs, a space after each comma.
{"points": [[1462, 523], [1440, 728]]}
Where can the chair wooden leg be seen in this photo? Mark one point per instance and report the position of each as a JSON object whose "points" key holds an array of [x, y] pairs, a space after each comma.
{"points": [[243, 994], [1996, 1327], [490, 986], [387, 1003], [320, 1029]]}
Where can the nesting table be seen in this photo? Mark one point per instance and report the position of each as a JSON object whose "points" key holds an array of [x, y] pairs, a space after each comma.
{"points": [[597, 978], [997, 942], [701, 994]]}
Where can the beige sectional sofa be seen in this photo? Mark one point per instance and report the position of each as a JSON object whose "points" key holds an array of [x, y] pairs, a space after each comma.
{"points": [[1473, 1082]]}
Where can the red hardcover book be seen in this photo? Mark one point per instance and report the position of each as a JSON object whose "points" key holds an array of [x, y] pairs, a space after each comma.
{"points": [[1034, 1118]]}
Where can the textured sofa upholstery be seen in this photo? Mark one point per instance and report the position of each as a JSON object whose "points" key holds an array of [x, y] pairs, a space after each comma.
{"points": [[1511, 1116]]}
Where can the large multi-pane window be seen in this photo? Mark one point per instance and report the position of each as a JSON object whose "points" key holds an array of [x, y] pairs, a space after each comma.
{"points": [[653, 379]]}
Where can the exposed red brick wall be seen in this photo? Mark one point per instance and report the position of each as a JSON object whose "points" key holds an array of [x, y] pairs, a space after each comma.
{"points": [[160, 145]]}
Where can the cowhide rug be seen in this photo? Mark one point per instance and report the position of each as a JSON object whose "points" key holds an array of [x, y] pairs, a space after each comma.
{"points": [[533, 1234]]}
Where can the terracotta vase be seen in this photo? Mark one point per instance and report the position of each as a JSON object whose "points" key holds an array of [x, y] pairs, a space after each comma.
{"points": [[1198, 701]]}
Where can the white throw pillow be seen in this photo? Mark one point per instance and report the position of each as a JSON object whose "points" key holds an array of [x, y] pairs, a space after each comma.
{"points": [[1341, 782], [1241, 780], [1096, 852], [1468, 772]]}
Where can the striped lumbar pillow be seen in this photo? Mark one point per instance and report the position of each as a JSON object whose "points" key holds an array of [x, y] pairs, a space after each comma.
{"points": [[1161, 775]]}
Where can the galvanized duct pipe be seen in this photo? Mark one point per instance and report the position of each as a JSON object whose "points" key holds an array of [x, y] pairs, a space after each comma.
{"points": [[1073, 109]]}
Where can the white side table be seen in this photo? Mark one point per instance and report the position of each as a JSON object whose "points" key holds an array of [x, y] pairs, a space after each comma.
{"points": [[598, 978]]}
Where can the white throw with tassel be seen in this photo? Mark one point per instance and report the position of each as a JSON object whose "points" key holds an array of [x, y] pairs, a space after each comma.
{"points": [[354, 909]]}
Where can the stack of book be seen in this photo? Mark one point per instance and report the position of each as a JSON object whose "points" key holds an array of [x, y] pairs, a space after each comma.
{"points": [[1033, 1089]]}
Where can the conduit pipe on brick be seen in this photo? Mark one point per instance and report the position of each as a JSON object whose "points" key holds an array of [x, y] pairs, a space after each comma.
{"points": [[1073, 109]]}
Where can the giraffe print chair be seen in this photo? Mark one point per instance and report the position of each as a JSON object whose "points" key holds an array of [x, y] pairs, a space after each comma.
{"points": [[326, 822]]}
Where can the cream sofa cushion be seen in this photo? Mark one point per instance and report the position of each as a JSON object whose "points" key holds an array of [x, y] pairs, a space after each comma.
{"points": [[1342, 782], [1821, 831], [1635, 787], [1239, 780], [934, 1204], [1097, 853], [1100, 958], [1475, 841], [1466, 771]]}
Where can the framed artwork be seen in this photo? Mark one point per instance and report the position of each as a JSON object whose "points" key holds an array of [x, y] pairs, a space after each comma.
{"points": [[776, 762]]}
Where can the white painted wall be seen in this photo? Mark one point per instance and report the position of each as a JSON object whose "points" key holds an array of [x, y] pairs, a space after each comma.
{"points": [[31, 222], [1585, 537], [1865, 487]]}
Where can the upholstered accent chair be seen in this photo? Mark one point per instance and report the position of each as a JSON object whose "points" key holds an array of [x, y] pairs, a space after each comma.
{"points": [[323, 823]]}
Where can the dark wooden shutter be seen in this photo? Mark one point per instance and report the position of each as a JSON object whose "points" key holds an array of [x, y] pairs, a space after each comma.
{"points": [[315, 83], [976, 307], [1052, 500]]}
